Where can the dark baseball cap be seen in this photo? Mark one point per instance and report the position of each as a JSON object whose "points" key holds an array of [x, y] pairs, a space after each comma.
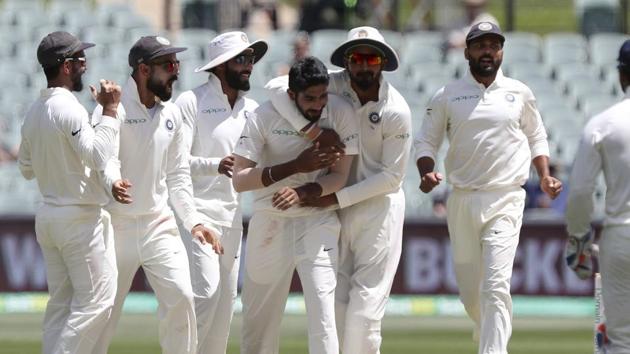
{"points": [[57, 46], [482, 29], [151, 47], [624, 55]]}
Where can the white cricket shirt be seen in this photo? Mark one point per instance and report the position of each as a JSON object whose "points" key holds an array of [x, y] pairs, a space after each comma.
{"points": [[212, 129], [493, 132], [604, 146], [153, 157], [384, 137], [269, 139], [63, 151]]}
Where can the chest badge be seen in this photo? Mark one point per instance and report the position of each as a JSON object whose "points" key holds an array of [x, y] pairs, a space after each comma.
{"points": [[169, 125], [374, 117], [509, 97]]}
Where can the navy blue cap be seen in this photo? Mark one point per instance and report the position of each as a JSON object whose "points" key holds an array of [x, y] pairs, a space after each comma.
{"points": [[151, 47], [624, 55], [484, 28], [57, 46]]}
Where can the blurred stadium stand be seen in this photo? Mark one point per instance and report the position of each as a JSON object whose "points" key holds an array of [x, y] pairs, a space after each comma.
{"points": [[573, 76]]}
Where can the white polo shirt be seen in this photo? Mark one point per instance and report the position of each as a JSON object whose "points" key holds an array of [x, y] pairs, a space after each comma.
{"points": [[493, 132], [269, 139], [152, 155], [384, 138], [605, 146], [212, 129], [63, 151]]}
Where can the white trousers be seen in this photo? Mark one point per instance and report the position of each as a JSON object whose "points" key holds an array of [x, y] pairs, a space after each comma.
{"points": [[369, 252], [214, 283], [484, 229], [614, 262], [153, 242], [78, 247], [276, 246]]}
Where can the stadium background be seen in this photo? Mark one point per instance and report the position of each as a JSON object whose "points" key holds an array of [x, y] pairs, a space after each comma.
{"points": [[564, 50]]}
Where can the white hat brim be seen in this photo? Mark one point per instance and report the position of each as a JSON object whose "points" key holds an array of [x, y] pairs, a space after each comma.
{"points": [[392, 58], [260, 48]]}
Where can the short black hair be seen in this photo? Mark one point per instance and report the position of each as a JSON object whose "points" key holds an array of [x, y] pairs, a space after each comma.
{"points": [[307, 72], [52, 72]]}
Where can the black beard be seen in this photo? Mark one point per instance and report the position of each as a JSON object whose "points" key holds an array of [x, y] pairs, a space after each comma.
{"points": [[161, 90], [77, 82], [364, 79], [484, 71], [310, 118], [233, 79]]}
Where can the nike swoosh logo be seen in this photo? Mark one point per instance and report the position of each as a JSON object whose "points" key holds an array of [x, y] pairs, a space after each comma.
{"points": [[243, 137], [327, 249], [77, 132], [95, 125]]}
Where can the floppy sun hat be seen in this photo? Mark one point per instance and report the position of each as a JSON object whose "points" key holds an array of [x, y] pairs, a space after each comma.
{"points": [[369, 36], [228, 45]]}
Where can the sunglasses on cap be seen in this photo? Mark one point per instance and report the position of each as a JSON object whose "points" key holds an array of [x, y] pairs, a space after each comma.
{"points": [[370, 59], [245, 59], [168, 66]]}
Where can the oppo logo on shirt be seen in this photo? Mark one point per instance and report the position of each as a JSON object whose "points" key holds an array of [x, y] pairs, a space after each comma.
{"points": [[285, 132], [351, 137], [464, 98], [214, 110], [135, 121]]}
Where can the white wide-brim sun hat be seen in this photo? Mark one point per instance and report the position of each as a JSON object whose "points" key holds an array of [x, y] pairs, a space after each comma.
{"points": [[366, 36], [228, 45]]}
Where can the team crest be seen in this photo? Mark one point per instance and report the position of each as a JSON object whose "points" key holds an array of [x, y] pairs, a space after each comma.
{"points": [[374, 117], [509, 97], [162, 40], [244, 37], [169, 125], [247, 114], [362, 34], [485, 26]]}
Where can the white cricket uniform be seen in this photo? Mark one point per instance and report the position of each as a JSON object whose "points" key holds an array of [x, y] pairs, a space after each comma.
{"points": [[605, 146], [63, 152], [372, 214], [153, 157], [493, 134], [299, 237], [212, 129]]}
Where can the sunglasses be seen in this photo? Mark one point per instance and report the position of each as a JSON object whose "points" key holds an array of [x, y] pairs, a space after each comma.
{"points": [[370, 59], [76, 60], [168, 66], [245, 59]]}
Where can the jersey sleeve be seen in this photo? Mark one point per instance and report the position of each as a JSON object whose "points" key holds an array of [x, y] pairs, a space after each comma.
{"points": [[346, 125], [431, 136], [532, 126], [252, 139]]}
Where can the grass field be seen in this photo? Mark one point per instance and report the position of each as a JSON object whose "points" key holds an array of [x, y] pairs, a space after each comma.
{"points": [[137, 334]]}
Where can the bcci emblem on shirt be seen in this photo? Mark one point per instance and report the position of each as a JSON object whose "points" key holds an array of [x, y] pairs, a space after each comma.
{"points": [[169, 125], [374, 117]]}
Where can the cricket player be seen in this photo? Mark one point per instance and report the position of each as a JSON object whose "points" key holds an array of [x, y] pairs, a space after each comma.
{"points": [[373, 203], [494, 130], [65, 153], [152, 169], [214, 115], [284, 169], [605, 147]]}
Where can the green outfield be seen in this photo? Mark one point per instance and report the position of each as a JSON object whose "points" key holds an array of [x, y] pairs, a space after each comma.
{"points": [[137, 334]]}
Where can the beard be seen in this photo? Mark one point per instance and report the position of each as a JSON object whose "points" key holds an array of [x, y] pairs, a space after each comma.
{"points": [[312, 115], [364, 79], [234, 80], [77, 81], [162, 90], [484, 69]]}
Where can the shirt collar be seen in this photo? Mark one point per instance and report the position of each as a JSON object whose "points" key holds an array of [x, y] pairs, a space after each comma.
{"points": [[627, 93], [52, 91], [383, 90], [497, 80]]}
